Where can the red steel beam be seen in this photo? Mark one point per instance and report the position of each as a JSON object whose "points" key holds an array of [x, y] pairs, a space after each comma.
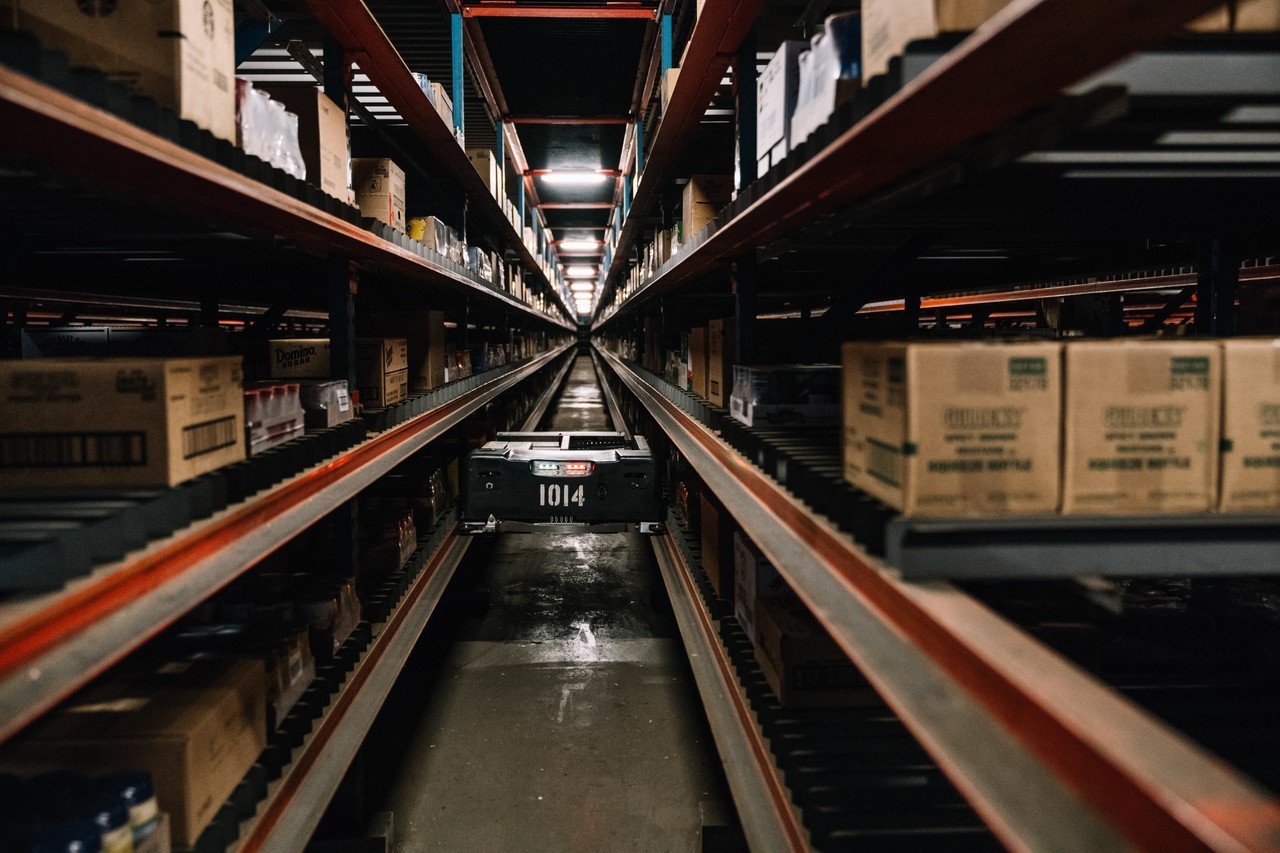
{"points": [[504, 10], [571, 120]]}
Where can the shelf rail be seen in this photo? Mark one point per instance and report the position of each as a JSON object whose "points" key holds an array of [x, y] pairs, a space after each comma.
{"points": [[54, 644], [999, 73], [1046, 755], [71, 136]]}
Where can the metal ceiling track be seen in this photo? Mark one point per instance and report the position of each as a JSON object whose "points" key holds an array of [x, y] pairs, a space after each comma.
{"points": [[71, 136], [595, 12], [1049, 757], [993, 77], [354, 27], [53, 644]]}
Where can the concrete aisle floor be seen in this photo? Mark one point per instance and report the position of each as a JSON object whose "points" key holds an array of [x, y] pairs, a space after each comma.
{"points": [[565, 718]]}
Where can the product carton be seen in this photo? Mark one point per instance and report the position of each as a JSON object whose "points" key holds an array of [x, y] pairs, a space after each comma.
{"points": [[1141, 427], [379, 187], [803, 665], [775, 102], [322, 136], [704, 197], [196, 727], [753, 578], [424, 334], [888, 26], [669, 78], [720, 354], [1250, 425], [298, 358], [698, 360], [147, 422], [179, 52], [489, 168], [954, 429], [382, 370], [717, 545], [1240, 16]]}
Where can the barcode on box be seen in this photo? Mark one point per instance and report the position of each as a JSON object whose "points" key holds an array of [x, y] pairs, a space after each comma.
{"points": [[199, 439], [73, 450]]}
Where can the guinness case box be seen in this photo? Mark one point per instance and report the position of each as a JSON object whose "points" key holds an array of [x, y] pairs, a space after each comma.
{"points": [[1141, 427], [954, 429], [147, 422], [1250, 425]]}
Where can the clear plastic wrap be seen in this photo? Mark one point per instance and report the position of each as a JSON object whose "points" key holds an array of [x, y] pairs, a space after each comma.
{"points": [[267, 130]]}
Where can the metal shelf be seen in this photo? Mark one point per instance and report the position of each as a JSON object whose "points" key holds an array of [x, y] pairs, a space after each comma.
{"points": [[294, 807], [711, 49], [764, 806], [69, 136], [360, 34], [53, 644], [993, 77], [1041, 750]]}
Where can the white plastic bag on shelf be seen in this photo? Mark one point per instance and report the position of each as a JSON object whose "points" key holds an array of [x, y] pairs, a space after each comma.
{"points": [[267, 130]]}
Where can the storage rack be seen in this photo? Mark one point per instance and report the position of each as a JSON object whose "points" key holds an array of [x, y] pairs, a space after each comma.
{"points": [[1043, 768], [88, 145]]}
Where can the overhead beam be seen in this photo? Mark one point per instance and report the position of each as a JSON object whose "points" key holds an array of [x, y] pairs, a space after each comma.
{"points": [[512, 10], [579, 205], [608, 173], [582, 120]]}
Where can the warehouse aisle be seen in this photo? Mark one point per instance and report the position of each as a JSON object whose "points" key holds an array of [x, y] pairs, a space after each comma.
{"points": [[566, 717]]}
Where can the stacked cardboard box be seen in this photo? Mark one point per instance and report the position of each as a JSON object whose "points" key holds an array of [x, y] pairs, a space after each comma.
{"points": [[119, 422], [803, 665], [179, 52], [322, 136], [298, 358], [954, 429], [378, 184], [717, 544], [382, 370], [888, 26], [704, 197], [197, 728], [720, 354], [1141, 427]]}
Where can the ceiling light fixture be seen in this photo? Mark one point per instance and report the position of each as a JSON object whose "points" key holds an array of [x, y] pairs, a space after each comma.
{"points": [[580, 271], [582, 287], [578, 245], [574, 177]]}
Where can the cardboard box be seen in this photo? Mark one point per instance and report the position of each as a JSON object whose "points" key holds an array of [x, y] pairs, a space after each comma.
{"points": [[119, 422], [667, 87], [954, 429], [717, 544], [720, 354], [327, 403], [424, 335], [753, 577], [1141, 427], [197, 728], [439, 97], [803, 665], [776, 99], [1242, 16], [1250, 425], [786, 395], [299, 358], [491, 172], [888, 26], [704, 197], [382, 370], [322, 136], [698, 360], [179, 52], [379, 187]]}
